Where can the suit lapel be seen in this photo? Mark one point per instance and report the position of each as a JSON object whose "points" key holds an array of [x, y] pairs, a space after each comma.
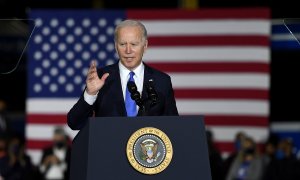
{"points": [[116, 85], [147, 76]]}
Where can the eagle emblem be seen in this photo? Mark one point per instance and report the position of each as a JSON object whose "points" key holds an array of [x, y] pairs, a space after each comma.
{"points": [[149, 151]]}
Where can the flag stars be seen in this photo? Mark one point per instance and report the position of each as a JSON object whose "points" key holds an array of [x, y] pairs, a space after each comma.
{"points": [[54, 39], [62, 31], [117, 21], [78, 63], [46, 63], [110, 47], [94, 47], [38, 22], [53, 71], [102, 22], [86, 22], [46, 31], [70, 71], [37, 88], [70, 22], [53, 87], [110, 62], [86, 55], [61, 63], [102, 55], [38, 39], [78, 47], [84, 71], [53, 55], [70, 55], [45, 47], [86, 39], [77, 79], [78, 31], [94, 31], [38, 71], [45, 79], [38, 55], [54, 23], [61, 79], [110, 30], [62, 47], [102, 39], [70, 39], [116, 55], [69, 87]]}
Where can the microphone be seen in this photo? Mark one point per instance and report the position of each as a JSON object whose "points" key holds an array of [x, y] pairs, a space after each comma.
{"points": [[134, 94], [152, 94]]}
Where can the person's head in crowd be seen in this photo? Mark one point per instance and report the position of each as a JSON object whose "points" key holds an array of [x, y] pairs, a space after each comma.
{"points": [[60, 138], [249, 150], [239, 138], [130, 43], [15, 146], [285, 148], [270, 145]]}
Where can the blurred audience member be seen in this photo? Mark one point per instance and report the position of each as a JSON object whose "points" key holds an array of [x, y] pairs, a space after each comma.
{"points": [[285, 164], [55, 159], [4, 120], [19, 162], [248, 164], [239, 138], [215, 158], [5, 169], [270, 149]]}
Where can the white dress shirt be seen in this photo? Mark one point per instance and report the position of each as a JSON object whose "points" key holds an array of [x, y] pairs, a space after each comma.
{"points": [[124, 76]]}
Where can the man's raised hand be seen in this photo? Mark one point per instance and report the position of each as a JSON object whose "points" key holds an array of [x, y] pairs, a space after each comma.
{"points": [[93, 82]]}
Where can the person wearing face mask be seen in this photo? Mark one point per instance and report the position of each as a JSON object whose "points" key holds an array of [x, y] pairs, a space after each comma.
{"points": [[248, 164], [55, 160]]}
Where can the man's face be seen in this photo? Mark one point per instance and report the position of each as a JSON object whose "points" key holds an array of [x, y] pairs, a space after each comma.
{"points": [[130, 46]]}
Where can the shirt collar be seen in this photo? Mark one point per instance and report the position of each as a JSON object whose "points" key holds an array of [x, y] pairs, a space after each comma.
{"points": [[137, 71]]}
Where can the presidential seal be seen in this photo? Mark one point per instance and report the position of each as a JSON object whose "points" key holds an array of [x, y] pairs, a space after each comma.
{"points": [[149, 150]]}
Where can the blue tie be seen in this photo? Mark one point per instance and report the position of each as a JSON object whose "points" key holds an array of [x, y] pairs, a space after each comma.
{"points": [[130, 103]]}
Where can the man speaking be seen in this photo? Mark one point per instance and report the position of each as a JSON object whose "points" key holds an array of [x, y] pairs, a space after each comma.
{"points": [[127, 88]]}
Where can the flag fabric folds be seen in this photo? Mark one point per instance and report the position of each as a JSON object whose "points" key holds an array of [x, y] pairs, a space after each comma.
{"points": [[218, 59]]}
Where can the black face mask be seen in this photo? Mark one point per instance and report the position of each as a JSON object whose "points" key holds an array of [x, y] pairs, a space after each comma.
{"points": [[59, 144], [249, 151]]}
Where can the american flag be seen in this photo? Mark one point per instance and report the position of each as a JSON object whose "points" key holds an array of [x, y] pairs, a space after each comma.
{"points": [[285, 34], [218, 59]]}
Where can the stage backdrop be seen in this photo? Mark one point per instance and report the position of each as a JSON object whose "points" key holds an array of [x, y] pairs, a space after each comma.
{"points": [[218, 60]]}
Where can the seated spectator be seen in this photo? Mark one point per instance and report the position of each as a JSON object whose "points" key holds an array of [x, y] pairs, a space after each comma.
{"points": [[55, 160]]}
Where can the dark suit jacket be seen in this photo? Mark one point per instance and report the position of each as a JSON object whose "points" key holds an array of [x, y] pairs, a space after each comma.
{"points": [[110, 101]]}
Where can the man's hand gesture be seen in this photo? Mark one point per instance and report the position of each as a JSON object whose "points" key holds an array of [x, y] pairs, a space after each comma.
{"points": [[93, 82]]}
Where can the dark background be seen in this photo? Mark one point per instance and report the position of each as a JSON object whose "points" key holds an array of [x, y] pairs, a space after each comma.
{"points": [[284, 92]]}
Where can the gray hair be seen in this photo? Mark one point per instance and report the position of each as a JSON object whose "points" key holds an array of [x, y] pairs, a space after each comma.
{"points": [[131, 23]]}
